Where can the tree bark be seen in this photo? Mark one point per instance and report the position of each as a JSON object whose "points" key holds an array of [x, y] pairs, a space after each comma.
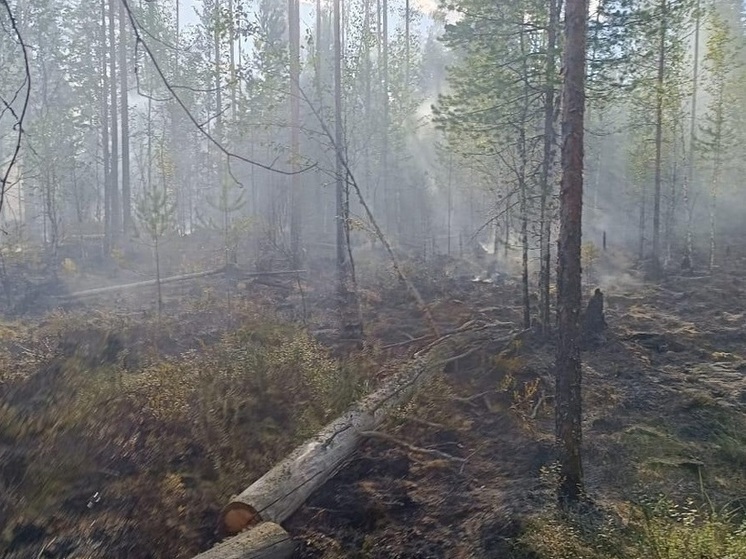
{"points": [[265, 541], [124, 93], [105, 132], [522, 184], [656, 264], [348, 303], [548, 165], [568, 408], [116, 210], [295, 192], [688, 180], [387, 196]]}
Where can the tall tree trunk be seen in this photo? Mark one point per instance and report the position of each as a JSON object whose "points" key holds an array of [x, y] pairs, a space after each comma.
{"points": [[716, 170], [522, 182], [182, 178], [106, 152], [319, 58], [232, 55], [116, 210], [688, 180], [548, 164], [124, 93], [295, 192], [367, 71], [568, 406], [390, 213], [406, 45], [349, 309], [659, 138]]}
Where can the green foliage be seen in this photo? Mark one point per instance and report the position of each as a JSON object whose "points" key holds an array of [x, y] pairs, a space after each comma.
{"points": [[155, 212], [658, 529]]}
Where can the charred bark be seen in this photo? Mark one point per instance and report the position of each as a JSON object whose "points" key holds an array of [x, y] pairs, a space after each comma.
{"points": [[568, 407]]}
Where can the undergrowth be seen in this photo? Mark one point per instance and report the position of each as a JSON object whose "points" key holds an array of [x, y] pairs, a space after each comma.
{"points": [[659, 529], [172, 434]]}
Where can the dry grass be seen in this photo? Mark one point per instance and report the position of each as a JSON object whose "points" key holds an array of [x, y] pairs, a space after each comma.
{"points": [[163, 427]]}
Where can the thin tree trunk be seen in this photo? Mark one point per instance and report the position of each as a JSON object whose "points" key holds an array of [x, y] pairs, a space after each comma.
{"points": [[158, 276], [568, 407], [548, 165], [295, 192], [105, 132], [124, 93], [716, 171], [688, 181], [385, 125], [318, 54], [659, 138], [232, 55], [523, 187], [116, 210], [643, 207], [349, 309]]}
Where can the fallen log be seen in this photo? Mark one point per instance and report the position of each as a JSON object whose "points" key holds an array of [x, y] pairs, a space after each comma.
{"points": [[264, 541], [281, 491], [172, 279]]}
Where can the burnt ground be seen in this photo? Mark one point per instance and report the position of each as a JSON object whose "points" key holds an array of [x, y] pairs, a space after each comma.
{"points": [[466, 469], [664, 415]]}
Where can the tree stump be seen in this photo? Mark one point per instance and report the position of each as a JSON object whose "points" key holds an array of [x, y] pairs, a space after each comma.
{"points": [[594, 321]]}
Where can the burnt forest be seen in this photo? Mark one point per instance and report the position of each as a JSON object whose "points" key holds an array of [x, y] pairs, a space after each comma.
{"points": [[369, 279]]}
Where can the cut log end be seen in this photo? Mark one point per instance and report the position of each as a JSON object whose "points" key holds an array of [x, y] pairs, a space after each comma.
{"points": [[237, 517]]}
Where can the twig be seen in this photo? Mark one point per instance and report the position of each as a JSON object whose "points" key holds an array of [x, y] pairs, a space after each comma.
{"points": [[410, 447], [538, 405], [470, 399], [407, 342], [426, 423]]}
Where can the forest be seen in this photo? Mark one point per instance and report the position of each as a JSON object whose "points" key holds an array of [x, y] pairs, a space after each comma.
{"points": [[360, 279]]}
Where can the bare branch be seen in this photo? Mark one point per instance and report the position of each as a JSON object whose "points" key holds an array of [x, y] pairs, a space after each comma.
{"points": [[18, 127], [172, 90]]}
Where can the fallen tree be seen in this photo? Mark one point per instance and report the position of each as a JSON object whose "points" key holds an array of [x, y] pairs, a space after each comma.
{"points": [[282, 490], [264, 541], [234, 272]]}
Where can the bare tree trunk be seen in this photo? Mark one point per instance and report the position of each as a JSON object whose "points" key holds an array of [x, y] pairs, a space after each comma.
{"points": [[688, 181], [317, 77], [105, 133], [367, 75], [643, 207], [158, 276], [124, 93], [406, 44], [116, 211], [349, 309], [719, 122], [295, 193], [568, 407], [232, 55], [523, 187], [389, 208], [656, 264], [548, 165]]}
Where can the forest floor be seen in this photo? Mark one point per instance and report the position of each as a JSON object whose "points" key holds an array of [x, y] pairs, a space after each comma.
{"points": [[664, 426], [122, 434]]}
